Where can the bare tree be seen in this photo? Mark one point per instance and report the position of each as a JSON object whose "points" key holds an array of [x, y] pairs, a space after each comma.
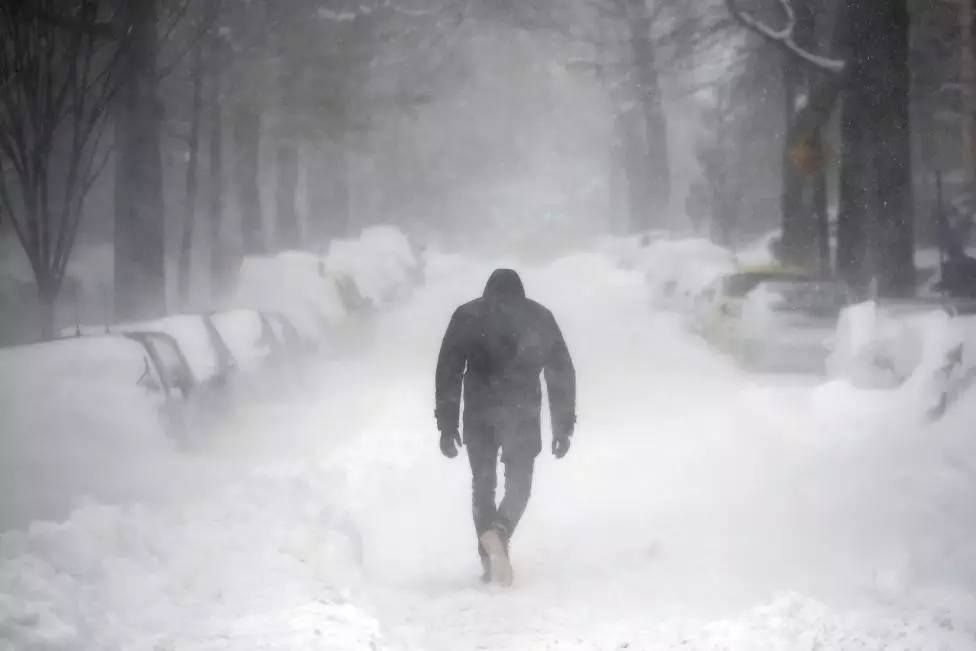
{"points": [[812, 83], [875, 231], [56, 86]]}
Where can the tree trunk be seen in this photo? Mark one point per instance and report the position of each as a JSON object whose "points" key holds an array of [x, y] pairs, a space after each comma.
{"points": [[658, 175], [967, 82], [635, 174], [893, 156], [215, 218], [247, 137], [821, 215], [192, 178], [617, 187], [852, 214], [47, 295], [318, 196], [287, 231], [140, 274], [875, 229], [801, 179]]}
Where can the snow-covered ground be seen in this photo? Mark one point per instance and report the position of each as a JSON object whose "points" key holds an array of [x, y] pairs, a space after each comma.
{"points": [[700, 508]]}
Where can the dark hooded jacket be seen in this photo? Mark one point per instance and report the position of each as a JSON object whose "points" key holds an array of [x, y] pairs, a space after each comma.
{"points": [[497, 346]]}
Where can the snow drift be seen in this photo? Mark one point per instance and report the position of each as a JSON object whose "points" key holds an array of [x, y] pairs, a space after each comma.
{"points": [[923, 354]]}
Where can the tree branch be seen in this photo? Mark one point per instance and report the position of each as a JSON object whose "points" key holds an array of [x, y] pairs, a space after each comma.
{"points": [[100, 29], [783, 38]]}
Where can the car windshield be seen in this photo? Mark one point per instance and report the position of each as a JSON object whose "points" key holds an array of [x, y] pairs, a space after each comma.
{"points": [[738, 285], [814, 296]]}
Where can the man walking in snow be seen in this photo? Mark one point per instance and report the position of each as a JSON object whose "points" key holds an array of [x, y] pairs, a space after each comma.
{"points": [[497, 346]]}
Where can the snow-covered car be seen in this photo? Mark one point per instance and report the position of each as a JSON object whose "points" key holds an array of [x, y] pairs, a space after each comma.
{"points": [[198, 341], [773, 319], [718, 306], [78, 414]]}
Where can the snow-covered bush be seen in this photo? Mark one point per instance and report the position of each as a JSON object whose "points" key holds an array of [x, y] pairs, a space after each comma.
{"points": [[380, 261]]}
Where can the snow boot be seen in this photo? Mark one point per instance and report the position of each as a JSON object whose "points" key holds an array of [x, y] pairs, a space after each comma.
{"points": [[485, 565], [498, 562]]}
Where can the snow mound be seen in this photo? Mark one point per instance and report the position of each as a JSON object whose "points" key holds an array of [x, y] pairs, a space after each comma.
{"points": [[922, 352], [380, 261], [149, 581]]}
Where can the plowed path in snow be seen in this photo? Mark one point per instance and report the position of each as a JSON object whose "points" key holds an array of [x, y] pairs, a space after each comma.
{"points": [[700, 507]]}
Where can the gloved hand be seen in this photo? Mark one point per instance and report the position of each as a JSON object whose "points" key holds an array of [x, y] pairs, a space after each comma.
{"points": [[560, 445], [450, 442]]}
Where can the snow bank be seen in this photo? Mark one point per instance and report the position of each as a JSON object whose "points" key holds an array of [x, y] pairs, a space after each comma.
{"points": [[295, 284], [922, 352], [380, 261], [75, 423], [150, 581], [878, 348]]}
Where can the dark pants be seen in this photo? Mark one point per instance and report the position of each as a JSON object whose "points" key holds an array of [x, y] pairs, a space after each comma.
{"points": [[483, 456]]}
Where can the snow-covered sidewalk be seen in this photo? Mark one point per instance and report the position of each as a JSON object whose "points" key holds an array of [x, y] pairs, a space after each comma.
{"points": [[700, 508]]}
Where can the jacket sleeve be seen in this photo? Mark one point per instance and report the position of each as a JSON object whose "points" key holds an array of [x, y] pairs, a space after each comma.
{"points": [[560, 382], [449, 374]]}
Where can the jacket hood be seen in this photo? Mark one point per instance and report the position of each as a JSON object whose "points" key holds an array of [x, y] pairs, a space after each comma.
{"points": [[504, 285]]}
